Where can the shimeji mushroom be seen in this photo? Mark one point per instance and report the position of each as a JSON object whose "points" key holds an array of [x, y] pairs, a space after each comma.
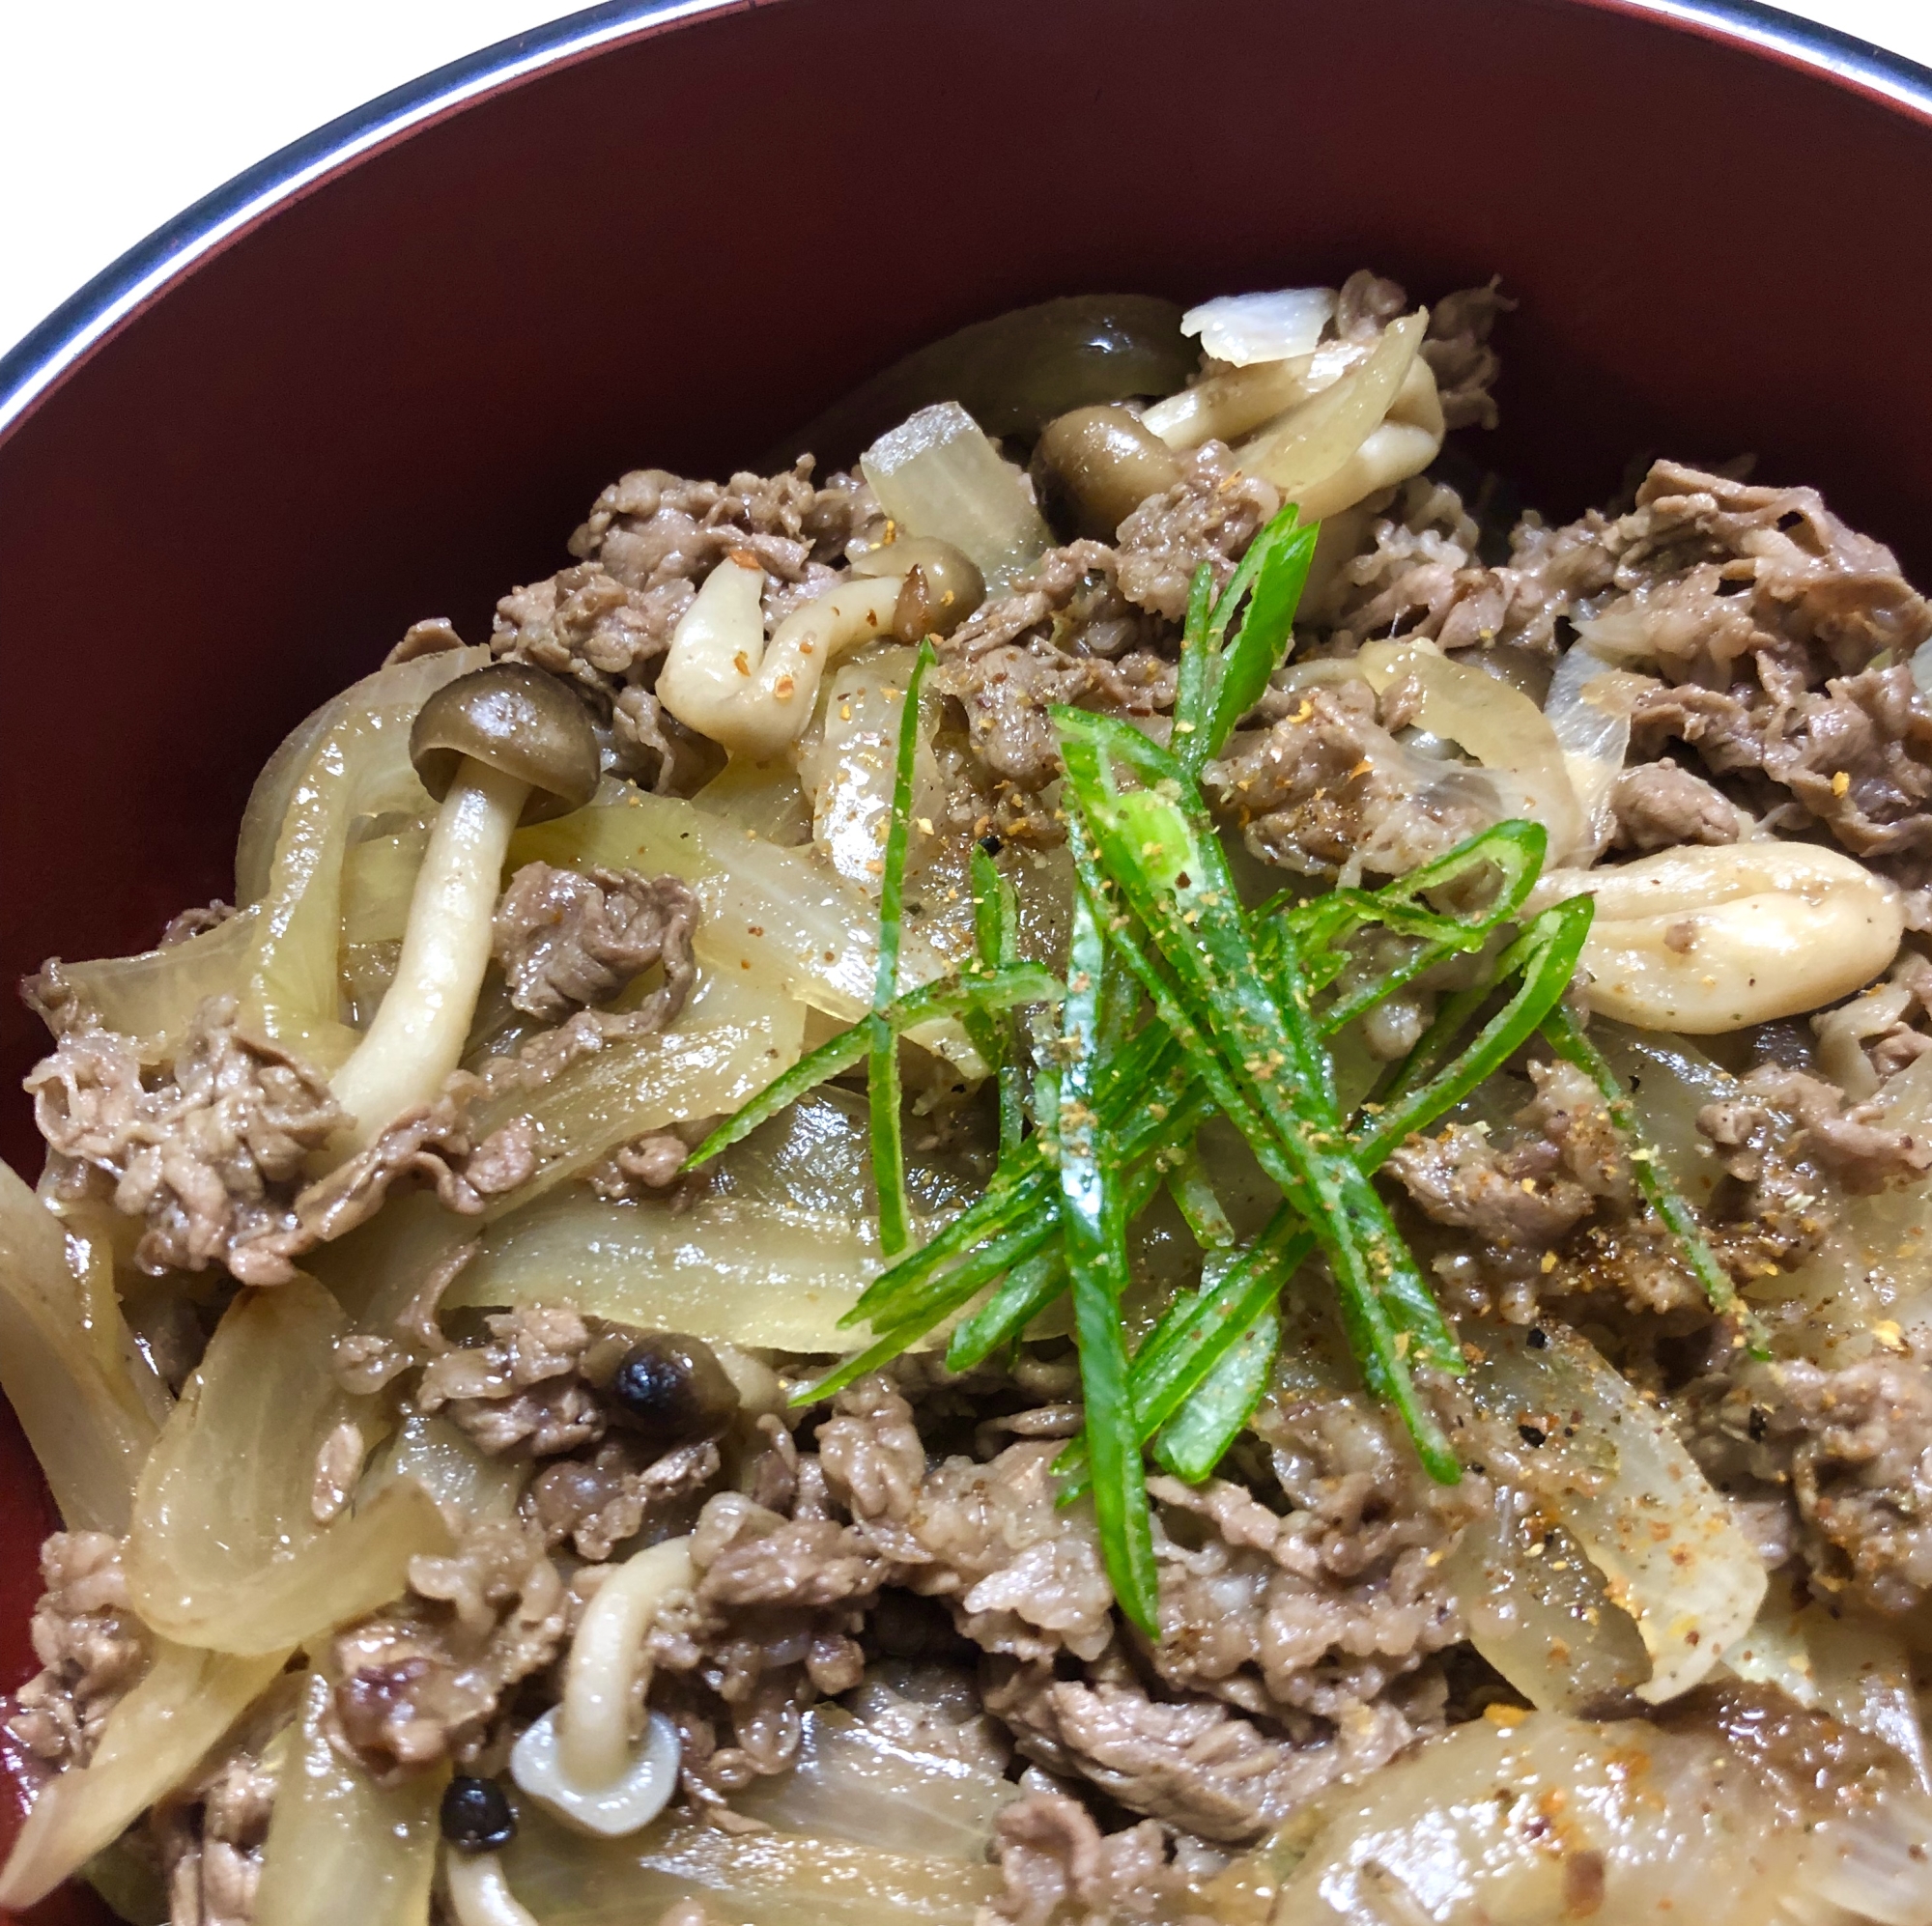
{"points": [[579, 1759], [498, 747], [723, 679]]}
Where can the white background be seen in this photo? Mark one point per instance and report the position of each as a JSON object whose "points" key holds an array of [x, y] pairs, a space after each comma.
{"points": [[116, 114]]}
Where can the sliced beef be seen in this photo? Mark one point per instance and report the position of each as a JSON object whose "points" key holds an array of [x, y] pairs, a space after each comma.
{"points": [[650, 538], [1659, 805], [1524, 1194], [586, 624], [523, 1389], [1329, 792], [1195, 1763], [1457, 351], [209, 1156], [771, 1627], [428, 1143], [91, 1646], [595, 1502], [210, 1834], [1855, 1144], [425, 1678], [1007, 691], [568, 938], [1058, 1869], [1853, 1446], [1509, 1197], [1210, 515], [212, 1153]]}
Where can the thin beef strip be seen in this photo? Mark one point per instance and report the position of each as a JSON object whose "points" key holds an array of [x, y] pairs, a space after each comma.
{"points": [[568, 938], [1329, 792], [1307, 1623], [1852, 1447], [424, 1678], [212, 1154], [209, 1832], [209, 1157], [1854, 1144], [1058, 1869], [1659, 805], [91, 1646]]}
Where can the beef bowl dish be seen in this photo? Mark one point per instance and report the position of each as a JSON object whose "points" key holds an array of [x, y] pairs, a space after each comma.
{"points": [[1143, 1162]]}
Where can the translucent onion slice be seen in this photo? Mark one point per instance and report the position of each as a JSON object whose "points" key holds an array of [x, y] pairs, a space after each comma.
{"points": [[642, 1084], [356, 765], [852, 1784], [1309, 453], [1604, 1464], [379, 879], [1670, 1080], [1540, 1612], [756, 1878], [153, 1738], [937, 474], [225, 1550], [846, 764], [441, 1459], [1589, 709], [745, 1273], [64, 1366], [152, 996], [1499, 725], [776, 919], [1553, 1819], [1269, 327], [340, 1847], [763, 799]]}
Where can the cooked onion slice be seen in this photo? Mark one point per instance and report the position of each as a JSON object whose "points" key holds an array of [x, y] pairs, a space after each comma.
{"points": [[1499, 725], [340, 1847], [225, 1550], [937, 474], [1547, 1818], [153, 1738], [1605, 1465], [1269, 327], [63, 1367], [851, 1783], [777, 921], [754, 1879]]}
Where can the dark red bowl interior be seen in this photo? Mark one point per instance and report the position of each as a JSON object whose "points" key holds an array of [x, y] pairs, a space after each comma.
{"points": [[392, 395]]}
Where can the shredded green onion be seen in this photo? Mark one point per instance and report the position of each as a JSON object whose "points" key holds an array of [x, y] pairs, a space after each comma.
{"points": [[1181, 1003], [1094, 1224], [881, 1082]]}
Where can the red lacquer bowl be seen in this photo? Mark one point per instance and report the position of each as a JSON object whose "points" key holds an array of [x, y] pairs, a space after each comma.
{"points": [[380, 377]]}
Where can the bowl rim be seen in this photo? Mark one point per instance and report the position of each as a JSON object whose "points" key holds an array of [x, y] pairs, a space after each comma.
{"points": [[63, 342]]}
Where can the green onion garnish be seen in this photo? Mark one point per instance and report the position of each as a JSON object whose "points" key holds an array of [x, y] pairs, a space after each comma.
{"points": [[1094, 1224], [882, 1081], [994, 917], [1181, 1003]]}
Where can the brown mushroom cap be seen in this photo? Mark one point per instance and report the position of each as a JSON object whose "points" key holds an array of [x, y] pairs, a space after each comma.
{"points": [[1094, 467], [519, 722], [943, 584]]}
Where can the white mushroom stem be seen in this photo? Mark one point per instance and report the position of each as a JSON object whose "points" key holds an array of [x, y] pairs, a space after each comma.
{"points": [[479, 1895], [416, 1036], [594, 1721], [1701, 939], [723, 679]]}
